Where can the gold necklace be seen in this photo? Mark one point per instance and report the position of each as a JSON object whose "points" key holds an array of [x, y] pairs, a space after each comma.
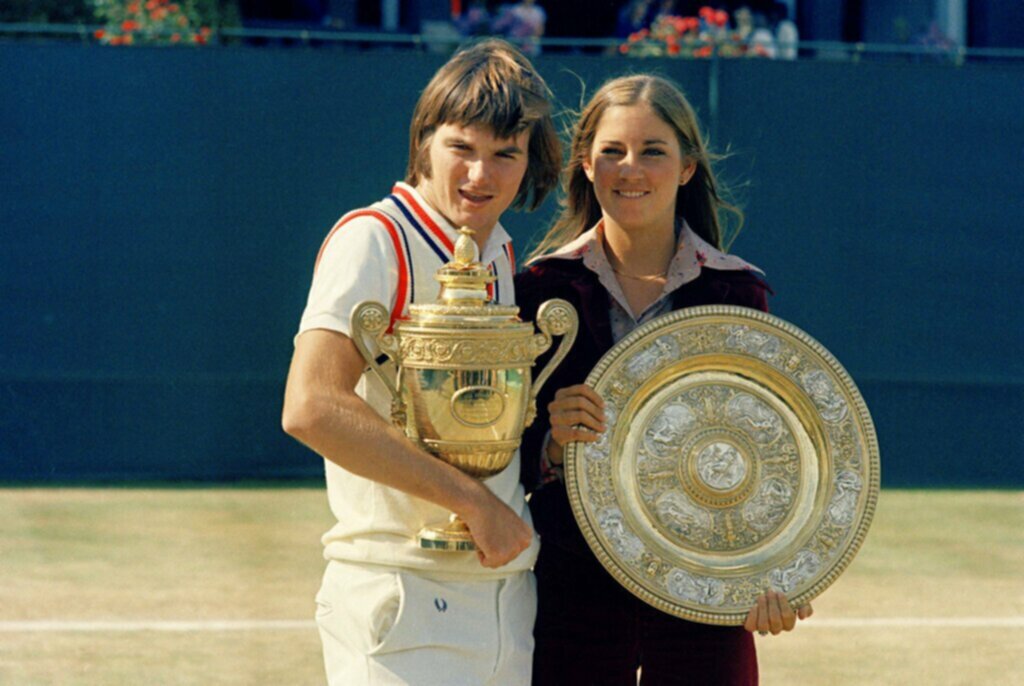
{"points": [[644, 277]]}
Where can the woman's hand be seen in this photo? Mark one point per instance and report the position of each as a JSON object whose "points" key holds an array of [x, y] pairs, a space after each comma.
{"points": [[577, 414], [773, 614]]}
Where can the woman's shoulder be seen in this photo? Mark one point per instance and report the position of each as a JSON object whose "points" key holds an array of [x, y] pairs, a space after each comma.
{"points": [[750, 278], [550, 271], [744, 287], [547, 278]]}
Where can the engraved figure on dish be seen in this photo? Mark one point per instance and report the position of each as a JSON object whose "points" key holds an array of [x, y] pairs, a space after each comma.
{"points": [[754, 342], [697, 589], [721, 466], [595, 451], [604, 441], [832, 406], [681, 516], [755, 418], [625, 542], [844, 502], [769, 506], [803, 567], [664, 435], [653, 356]]}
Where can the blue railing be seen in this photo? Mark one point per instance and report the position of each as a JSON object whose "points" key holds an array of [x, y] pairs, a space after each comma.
{"points": [[318, 35]]}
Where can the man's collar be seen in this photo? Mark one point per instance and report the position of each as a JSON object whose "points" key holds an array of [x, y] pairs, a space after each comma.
{"points": [[434, 220]]}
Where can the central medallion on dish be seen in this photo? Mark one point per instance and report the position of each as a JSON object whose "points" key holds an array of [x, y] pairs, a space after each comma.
{"points": [[715, 466]]}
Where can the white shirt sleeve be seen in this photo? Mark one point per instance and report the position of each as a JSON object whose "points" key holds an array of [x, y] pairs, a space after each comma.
{"points": [[357, 263]]}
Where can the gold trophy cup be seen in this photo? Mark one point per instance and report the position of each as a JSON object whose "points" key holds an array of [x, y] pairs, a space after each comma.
{"points": [[463, 391]]}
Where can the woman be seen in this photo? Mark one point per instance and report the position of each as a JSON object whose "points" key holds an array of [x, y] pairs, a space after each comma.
{"points": [[640, 235]]}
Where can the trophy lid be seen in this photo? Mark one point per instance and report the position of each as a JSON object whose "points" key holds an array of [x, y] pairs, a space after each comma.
{"points": [[464, 292]]}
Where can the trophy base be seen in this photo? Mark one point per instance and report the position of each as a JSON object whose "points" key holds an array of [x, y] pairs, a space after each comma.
{"points": [[451, 537]]}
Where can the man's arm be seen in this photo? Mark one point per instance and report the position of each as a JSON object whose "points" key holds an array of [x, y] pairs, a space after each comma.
{"points": [[322, 410]]}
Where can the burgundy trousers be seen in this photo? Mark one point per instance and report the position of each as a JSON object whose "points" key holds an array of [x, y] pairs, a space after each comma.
{"points": [[590, 631]]}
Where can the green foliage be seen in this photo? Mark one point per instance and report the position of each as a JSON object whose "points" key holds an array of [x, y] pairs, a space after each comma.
{"points": [[186, 22], [213, 13]]}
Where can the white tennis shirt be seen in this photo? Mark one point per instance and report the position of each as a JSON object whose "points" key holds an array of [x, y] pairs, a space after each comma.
{"points": [[389, 253]]}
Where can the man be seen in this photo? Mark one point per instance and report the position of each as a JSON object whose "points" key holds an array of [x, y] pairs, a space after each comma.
{"points": [[481, 140]]}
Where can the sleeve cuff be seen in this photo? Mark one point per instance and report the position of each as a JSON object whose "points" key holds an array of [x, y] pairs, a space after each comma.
{"points": [[549, 471]]}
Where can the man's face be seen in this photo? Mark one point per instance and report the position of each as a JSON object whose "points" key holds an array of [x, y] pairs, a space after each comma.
{"points": [[474, 177]]}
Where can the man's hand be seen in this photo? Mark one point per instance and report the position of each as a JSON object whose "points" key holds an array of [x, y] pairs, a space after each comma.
{"points": [[577, 414], [499, 533], [772, 614]]}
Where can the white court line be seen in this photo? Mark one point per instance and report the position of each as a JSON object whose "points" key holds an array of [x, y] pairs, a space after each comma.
{"points": [[307, 625], [158, 625], [925, 622]]}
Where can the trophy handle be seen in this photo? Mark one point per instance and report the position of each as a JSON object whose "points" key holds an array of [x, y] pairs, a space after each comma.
{"points": [[371, 318], [556, 317]]}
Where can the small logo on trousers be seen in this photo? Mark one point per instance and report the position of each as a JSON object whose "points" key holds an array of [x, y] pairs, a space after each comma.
{"points": [[441, 604]]}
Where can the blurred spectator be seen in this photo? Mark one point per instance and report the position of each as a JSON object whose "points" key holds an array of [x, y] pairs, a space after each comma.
{"points": [[475, 21], [665, 8], [786, 34], [933, 37], [522, 24], [632, 18], [744, 21], [761, 41]]}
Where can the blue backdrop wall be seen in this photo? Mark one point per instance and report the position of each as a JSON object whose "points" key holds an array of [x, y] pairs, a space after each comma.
{"points": [[160, 210]]}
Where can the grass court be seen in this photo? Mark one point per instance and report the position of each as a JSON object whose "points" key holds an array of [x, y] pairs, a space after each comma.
{"points": [[212, 586]]}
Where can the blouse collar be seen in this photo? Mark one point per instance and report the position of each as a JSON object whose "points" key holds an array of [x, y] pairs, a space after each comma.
{"points": [[692, 254]]}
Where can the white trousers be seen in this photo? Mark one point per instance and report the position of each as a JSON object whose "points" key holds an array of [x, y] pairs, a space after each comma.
{"points": [[386, 627]]}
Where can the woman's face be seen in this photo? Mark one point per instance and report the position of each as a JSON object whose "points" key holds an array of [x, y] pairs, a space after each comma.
{"points": [[636, 167]]}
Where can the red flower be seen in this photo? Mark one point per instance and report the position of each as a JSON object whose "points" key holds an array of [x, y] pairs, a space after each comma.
{"points": [[173, 7], [127, 40], [98, 35], [624, 49], [152, 5], [706, 13], [133, 8], [129, 25], [673, 48], [721, 17], [159, 13], [703, 52], [175, 37], [182, 20], [205, 31], [199, 39]]}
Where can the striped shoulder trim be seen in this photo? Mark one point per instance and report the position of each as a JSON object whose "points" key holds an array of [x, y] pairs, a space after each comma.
{"points": [[420, 220], [494, 290], [401, 255], [510, 253]]}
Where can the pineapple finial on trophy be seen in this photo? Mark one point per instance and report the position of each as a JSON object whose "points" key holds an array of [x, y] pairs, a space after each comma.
{"points": [[466, 251], [464, 280]]}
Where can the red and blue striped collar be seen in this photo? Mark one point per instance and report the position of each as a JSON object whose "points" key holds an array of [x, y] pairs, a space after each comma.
{"points": [[437, 231]]}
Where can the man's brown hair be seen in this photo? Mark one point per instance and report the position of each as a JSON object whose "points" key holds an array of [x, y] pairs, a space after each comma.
{"points": [[490, 84]]}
